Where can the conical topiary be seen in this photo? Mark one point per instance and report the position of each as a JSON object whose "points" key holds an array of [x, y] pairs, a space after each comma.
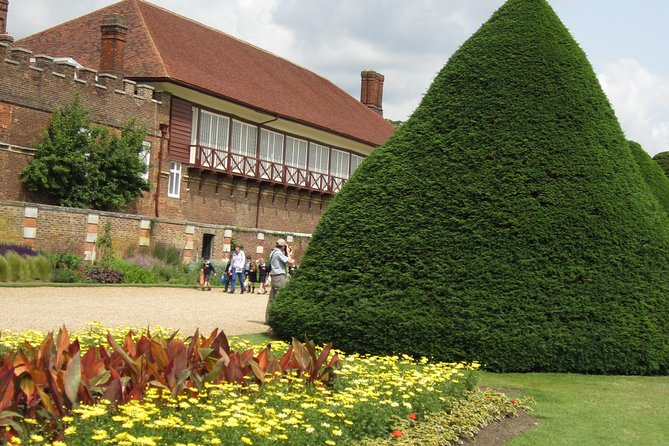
{"points": [[652, 174], [505, 222]]}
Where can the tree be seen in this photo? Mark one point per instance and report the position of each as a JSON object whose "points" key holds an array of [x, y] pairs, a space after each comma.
{"points": [[83, 166], [506, 222]]}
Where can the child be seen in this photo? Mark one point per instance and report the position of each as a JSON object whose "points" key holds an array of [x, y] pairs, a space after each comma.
{"points": [[226, 276], [253, 276], [262, 272], [207, 270]]}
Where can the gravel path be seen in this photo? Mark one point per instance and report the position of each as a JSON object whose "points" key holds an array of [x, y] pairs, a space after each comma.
{"points": [[47, 308]]}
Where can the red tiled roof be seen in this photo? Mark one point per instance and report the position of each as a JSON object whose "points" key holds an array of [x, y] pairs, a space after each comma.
{"points": [[164, 45]]}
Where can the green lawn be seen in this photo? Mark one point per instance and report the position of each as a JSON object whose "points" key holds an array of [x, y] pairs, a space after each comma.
{"points": [[591, 410]]}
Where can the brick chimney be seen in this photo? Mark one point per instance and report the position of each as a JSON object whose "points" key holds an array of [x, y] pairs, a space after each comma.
{"points": [[371, 90], [4, 37], [112, 48]]}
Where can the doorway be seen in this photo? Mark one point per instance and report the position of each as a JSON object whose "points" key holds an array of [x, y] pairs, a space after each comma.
{"points": [[207, 244]]}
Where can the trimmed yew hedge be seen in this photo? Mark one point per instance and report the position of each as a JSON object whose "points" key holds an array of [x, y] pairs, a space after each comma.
{"points": [[506, 221], [652, 173]]}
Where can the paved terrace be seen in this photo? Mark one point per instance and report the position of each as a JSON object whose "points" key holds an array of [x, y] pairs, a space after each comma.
{"points": [[47, 308]]}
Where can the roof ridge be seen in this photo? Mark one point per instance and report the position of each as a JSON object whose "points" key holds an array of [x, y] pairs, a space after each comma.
{"points": [[148, 32]]}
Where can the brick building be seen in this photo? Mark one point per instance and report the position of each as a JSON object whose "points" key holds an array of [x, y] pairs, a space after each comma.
{"points": [[241, 143]]}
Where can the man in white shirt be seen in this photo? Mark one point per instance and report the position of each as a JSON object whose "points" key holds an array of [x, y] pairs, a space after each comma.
{"points": [[237, 268]]}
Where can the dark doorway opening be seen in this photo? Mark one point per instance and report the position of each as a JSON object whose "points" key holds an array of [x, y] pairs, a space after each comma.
{"points": [[207, 244]]}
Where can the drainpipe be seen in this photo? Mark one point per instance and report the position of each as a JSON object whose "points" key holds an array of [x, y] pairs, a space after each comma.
{"points": [[163, 137]]}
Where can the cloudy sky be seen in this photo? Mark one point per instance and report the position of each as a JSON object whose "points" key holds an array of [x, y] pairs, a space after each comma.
{"points": [[409, 42]]}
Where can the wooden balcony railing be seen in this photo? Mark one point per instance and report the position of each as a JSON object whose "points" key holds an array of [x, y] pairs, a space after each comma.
{"points": [[216, 160]]}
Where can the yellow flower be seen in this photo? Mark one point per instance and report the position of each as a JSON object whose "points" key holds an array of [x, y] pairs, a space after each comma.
{"points": [[330, 442], [99, 434], [247, 440]]}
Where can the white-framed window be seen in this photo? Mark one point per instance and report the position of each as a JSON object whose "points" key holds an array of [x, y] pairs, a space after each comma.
{"points": [[319, 157], [174, 183], [296, 160], [244, 140], [214, 139], [339, 164], [145, 156], [271, 154], [355, 162]]}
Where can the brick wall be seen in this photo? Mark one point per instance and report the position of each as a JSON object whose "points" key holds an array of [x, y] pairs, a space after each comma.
{"points": [[238, 202], [61, 229]]}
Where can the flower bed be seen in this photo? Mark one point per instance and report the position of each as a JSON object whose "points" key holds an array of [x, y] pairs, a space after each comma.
{"points": [[370, 397]]}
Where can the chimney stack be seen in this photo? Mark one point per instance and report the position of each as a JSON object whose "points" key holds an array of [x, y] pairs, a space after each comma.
{"points": [[112, 48], [4, 8], [371, 90]]}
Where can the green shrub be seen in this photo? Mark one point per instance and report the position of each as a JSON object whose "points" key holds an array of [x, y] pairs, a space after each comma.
{"points": [[65, 275], [133, 273], [506, 221], [4, 269], [65, 260], [167, 253]]}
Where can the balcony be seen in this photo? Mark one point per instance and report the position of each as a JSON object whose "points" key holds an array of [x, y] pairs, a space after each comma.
{"points": [[216, 160]]}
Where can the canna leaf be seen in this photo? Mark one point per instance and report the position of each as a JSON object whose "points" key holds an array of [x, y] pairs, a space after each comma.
{"points": [[48, 404], [127, 359], [72, 378], [204, 353], [302, 357], [27, 386], [257, 371]]}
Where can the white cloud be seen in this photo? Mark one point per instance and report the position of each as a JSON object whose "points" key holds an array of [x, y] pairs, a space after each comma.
{"points": [[641, 101]]}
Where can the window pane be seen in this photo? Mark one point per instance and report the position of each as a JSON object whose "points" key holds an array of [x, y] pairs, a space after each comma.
{"points": [[244, 138], [271, 155], [213, 130], [296, 152], [339, 164], [174, 182], [318, 158], [145, 156], [355, 162], [271, 146]]}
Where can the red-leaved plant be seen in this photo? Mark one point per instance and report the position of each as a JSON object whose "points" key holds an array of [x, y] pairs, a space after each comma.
{"points": [[45, 383]]}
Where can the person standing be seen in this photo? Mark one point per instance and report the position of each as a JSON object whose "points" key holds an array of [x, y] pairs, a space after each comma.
{"points": [[253, 276], [278, 258], [225, 277], [208, 269], [237, 269], [262, 272]]}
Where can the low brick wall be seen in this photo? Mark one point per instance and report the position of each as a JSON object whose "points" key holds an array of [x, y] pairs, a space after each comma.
{"points": [[62, 229]]}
